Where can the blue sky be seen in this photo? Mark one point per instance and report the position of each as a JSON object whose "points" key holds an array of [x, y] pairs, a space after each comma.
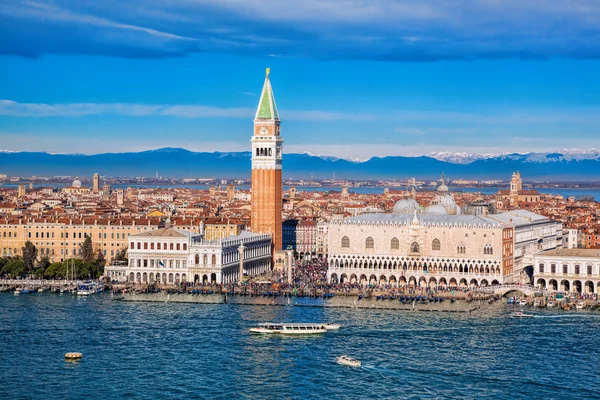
{"points": [[352, 78]]}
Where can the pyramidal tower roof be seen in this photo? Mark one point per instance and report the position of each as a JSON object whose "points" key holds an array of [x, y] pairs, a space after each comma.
{"points": [[267, 109]]}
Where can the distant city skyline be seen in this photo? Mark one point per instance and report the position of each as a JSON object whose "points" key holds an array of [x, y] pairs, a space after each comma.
{"points": [[371, 79]]}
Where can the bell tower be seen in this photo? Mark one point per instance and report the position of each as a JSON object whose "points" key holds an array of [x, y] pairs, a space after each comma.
{"points": [[266, 167]]}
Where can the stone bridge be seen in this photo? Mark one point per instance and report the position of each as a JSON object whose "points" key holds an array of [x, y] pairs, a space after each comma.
{"points": [[502, 290]]}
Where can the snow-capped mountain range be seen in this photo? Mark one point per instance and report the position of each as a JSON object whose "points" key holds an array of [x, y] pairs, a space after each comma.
{"points": [[558, 156], [564, 165]]}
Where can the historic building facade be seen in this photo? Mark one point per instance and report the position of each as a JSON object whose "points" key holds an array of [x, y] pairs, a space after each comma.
{"points": [[568, 270], [267, 144], [436, 246], [173, 256]]}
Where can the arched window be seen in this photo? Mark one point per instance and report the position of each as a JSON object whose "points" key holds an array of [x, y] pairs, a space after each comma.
{"points": [[369, 243], [435, 245], [205, 259], [270, 152], [460, 249], [414, 247], [487, 249], [395, 244], [197, 259], [345, 242], [257, 152], [214, 259]]}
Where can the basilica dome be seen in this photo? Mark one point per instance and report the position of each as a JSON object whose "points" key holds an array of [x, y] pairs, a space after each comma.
{"points": [[435, 209], [76, 183], [447, 201], [406, 205]]}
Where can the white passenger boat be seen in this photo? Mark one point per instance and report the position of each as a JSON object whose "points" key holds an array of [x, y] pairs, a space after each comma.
{"points": [[521, 315], [551, 304], [86, 288], [288, 329], [349, 361], [332, 327]]}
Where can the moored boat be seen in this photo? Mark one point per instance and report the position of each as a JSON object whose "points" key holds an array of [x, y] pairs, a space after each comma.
{"points": [[580, 305], [86, 288], [348, 361], [289, 329], [551, 304], [43, 289]]}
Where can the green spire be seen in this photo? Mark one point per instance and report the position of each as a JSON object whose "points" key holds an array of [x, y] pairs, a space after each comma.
{"points": [[267, 109]]}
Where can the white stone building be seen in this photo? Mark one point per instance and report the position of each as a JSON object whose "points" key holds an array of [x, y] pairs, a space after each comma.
{"points": [[568, 270], [172, 256], [436, 246]]}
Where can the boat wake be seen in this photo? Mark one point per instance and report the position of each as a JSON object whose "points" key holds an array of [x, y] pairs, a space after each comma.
{"points": [[568, 316]]}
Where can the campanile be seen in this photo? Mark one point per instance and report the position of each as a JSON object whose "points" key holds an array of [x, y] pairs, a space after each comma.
{"points": [[266, 167]]}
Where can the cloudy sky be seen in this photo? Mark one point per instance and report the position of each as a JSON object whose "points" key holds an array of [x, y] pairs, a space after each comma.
{"points": [[354, 78]]}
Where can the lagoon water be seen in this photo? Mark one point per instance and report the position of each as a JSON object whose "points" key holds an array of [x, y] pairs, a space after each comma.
{"points": [[168, 350]]}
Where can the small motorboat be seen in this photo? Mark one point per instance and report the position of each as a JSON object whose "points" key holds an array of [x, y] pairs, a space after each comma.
{"points": [[348, 361], [521, 315], [580, 305], [551, 304], [332, 327]]}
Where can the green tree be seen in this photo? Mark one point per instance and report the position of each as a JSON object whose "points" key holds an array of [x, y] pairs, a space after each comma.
{"points": [[99, 264], [121, 255], [44, 262], [87, 250], [56, 270], [29, 256], [14, 267]]}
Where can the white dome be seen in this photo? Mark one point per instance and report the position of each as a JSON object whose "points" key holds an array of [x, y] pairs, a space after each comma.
{"points": [[449, 204], [435, 209], [443, 188], [76, 183], [406, 206]]}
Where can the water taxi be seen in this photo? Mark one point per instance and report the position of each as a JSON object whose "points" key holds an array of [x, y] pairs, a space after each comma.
{"points": [[86, 288], [349, 361], [521, 315], [21, 290], [551, 304], [580, 305], [289, 329]]}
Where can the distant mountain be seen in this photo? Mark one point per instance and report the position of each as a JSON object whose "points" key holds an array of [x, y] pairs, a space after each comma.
{"points": [[180, 163], [560, 156]]}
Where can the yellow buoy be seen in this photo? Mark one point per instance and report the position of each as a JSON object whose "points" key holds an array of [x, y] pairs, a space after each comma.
{"points": [[73, 356]]}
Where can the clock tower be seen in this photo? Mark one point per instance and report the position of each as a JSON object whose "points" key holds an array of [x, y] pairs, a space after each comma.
{"points": [[266, 168]]}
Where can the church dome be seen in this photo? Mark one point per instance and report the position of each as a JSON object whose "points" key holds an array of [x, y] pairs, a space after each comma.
{"points": [[435, 209], [76, 183], [443, 188], [406, 205], [449, 204]]}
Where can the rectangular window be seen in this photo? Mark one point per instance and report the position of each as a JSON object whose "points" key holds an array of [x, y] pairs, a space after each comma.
{"points": [[589, 269], [152, 246], [553, 268], [171, 246], [577, 269], [139, 246], [541, 268], [145, 246], [185, 246], [178, 246], [565, 269], [158, 246]]}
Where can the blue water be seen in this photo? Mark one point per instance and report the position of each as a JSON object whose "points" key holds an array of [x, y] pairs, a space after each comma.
{"points": [[565, 192], [168, 350]]}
